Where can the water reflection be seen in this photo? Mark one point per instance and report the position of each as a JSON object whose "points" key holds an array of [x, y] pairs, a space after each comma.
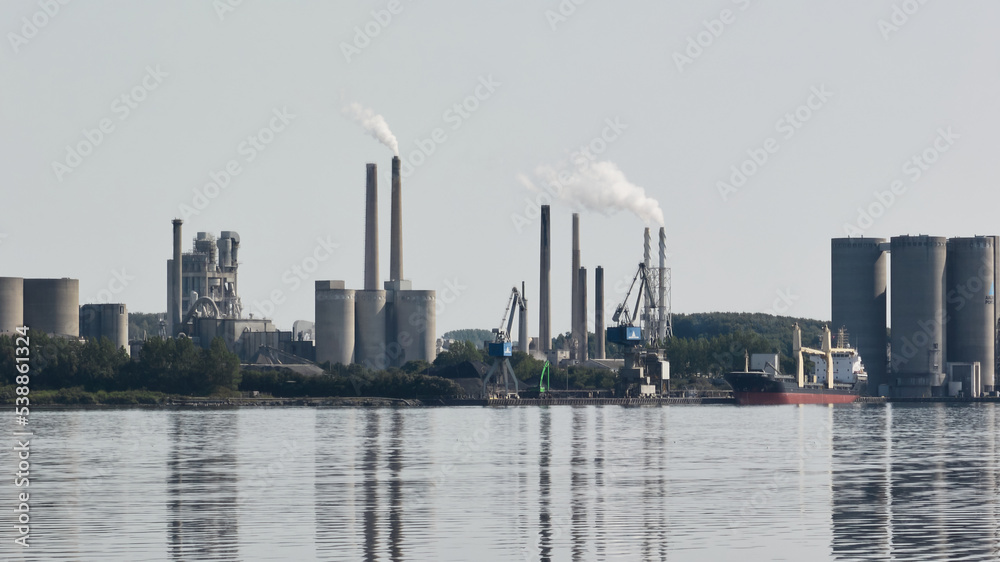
{"points": [[201, 487], [916, 483]]}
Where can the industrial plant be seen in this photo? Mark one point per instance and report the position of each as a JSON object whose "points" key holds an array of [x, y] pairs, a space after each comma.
{"points": [[378, 328], [944, 315]]}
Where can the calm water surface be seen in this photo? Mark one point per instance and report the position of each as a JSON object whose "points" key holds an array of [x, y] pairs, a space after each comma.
{"points": [[797, 483]]}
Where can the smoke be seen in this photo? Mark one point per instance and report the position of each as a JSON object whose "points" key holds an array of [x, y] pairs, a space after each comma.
{"points": [[598, 186], [373, 123]]}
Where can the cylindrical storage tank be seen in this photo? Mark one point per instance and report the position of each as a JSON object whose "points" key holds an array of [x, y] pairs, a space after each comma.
{"points": [[11, 303], [108, 320], [416, 325], [225, 252], [858, 301], [334, 323], [53, 306], [971, 314], [369, 320], [918, 315]]}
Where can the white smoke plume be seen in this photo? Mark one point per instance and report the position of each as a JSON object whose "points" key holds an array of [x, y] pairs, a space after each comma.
{"points": [[373, 123], [598, 186]]}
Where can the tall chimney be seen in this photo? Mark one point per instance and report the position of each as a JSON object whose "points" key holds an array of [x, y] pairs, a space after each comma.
{"points": [[574, 291], [647, 320], [396, 229], [544, 308], [661, 332], [599, 312], [371, 229], [582, 313], [177, 311], [522, 325]]}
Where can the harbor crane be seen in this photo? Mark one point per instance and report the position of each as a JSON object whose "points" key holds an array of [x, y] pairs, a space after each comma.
{"points": [[646, 370], [501, 348]]}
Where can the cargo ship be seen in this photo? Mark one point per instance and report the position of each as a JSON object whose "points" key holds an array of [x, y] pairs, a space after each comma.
{"points": [[839, 377]]}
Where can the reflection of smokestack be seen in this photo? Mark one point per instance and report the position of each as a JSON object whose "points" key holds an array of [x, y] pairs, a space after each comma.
{"points": [[574, 292], [599, 312], [371, 229], [661, 332], [177, 293], [582, 314], [396, 228], [544, 309], [522, 325]]}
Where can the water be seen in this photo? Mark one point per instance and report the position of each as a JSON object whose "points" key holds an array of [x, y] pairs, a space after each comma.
{"points": [[849, 482]]}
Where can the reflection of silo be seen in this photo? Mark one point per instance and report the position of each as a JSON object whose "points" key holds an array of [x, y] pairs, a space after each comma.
{"points": [[53, 306], [11, 303], [971, 314], [858, 267], [334, 323], [369, 319], [415, 325], [108, 320], [918, 314]]}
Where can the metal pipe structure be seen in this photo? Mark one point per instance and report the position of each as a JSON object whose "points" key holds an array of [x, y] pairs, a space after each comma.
{"points": [[584, 350], [544, 308], [522, 325], [646, 321], [371, 228], [599, 333], [574, 291], [661, 332], [176, 308], [396, 228]]}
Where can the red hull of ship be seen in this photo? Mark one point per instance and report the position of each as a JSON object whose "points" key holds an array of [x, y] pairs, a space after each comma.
{"points": [[775, 398]]}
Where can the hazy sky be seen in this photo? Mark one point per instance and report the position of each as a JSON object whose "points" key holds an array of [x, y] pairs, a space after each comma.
{"points": [[832, 99]]}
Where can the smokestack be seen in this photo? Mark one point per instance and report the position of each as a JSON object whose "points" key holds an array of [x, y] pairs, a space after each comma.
{"points": [[177, 311], [599, 312], [396, 229], [574, 292], [522, 325], [582, 312], [544, 308], [646, 320], [661, 332], [371, 228]]}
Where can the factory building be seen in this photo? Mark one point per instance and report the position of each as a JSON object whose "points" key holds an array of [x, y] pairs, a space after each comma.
{"points": [[943, 312], [379, 328], [203, 300]]}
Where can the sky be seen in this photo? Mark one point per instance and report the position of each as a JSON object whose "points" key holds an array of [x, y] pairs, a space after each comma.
{"points": [[758, 130]]}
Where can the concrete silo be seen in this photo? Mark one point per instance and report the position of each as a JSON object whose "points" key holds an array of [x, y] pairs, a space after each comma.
{"points": [[858, 283], [334, 322], [971, 304], [918, 315], [370, 323], [53, 306], [105, 320], [415, 325], [11, 303]]}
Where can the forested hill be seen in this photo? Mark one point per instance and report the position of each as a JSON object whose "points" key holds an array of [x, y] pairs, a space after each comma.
{"points": [[775, 328]]}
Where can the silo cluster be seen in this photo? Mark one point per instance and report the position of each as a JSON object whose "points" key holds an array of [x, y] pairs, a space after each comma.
{"points": [[105, 321], [45, 305], [378, 328], [943, 312]]}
